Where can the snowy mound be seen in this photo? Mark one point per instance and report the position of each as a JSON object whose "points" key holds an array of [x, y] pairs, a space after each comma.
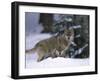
{"points": [[31, 62]]}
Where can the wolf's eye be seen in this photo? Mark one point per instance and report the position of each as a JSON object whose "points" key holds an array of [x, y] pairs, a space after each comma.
{"points": [[69, 33]]}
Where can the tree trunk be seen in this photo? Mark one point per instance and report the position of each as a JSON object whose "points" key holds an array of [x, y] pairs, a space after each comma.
{"points": [[47, 21]]}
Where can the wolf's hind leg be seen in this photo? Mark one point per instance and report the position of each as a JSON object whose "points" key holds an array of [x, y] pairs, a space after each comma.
{"points": [[40, 58], [41, 55]]}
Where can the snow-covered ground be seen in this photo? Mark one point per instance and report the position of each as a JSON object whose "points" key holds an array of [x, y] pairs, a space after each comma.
{"points": [[31, 58]]}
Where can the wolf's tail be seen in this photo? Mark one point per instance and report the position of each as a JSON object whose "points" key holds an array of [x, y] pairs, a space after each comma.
{"points": [[30, 50]]}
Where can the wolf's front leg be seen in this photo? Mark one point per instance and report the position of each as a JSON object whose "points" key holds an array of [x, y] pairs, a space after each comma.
{"points": [[64, 54]]}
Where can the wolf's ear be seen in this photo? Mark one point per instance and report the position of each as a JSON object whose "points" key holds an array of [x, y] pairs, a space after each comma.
{"points": [[65, 30], [70, 28]]}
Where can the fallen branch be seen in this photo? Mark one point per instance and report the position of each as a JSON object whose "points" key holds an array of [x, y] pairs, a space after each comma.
{"points": [[79, 51]]}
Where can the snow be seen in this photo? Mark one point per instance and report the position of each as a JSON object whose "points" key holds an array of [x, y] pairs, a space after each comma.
{"points": [[53, 63], [75, 27], [31, 58], [32, 23]]}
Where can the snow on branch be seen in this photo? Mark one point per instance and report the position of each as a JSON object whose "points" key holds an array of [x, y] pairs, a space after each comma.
{"points": [[73, 43], [77, 36], [79, 51], [75, 27]]}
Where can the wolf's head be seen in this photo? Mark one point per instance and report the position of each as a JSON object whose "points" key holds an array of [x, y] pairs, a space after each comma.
{"points": [[69, 34]]}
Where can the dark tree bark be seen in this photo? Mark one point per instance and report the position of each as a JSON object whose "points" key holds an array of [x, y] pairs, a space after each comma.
{"points": [[82, 20], [47, 21]]}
